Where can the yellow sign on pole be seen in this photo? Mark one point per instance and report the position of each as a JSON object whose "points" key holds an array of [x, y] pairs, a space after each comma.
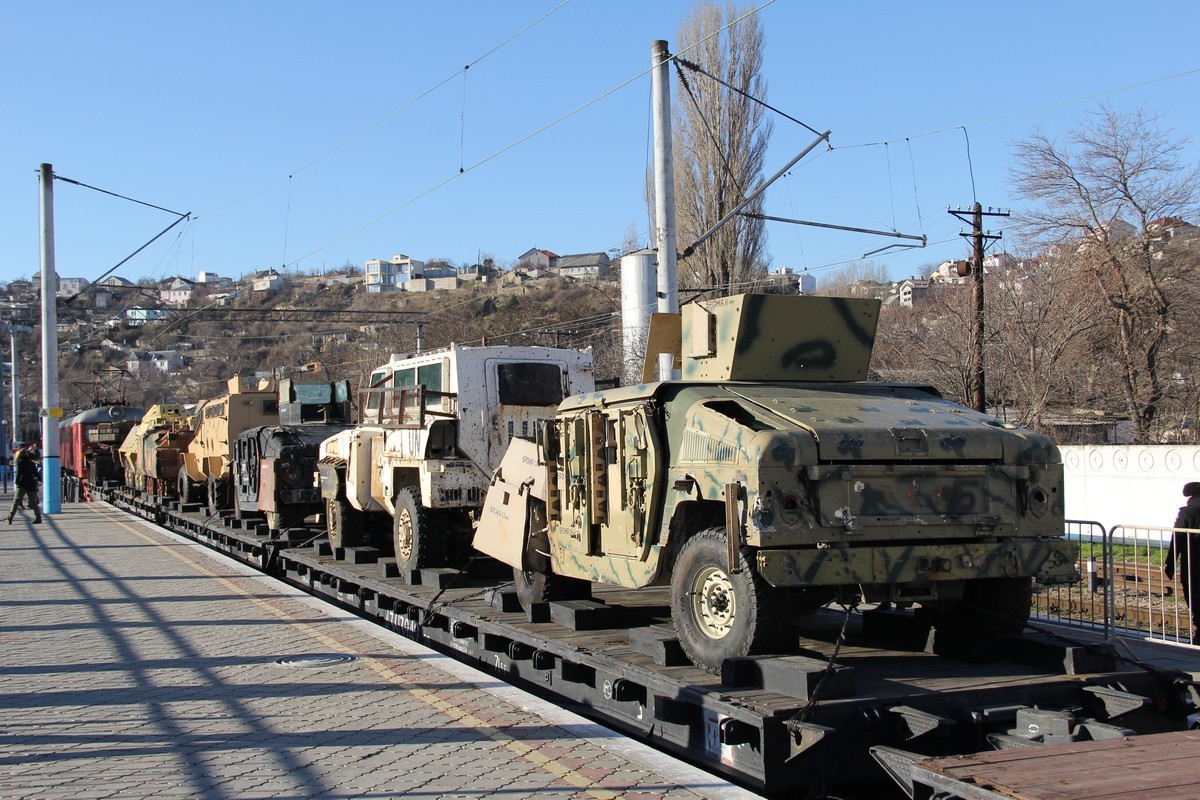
{"points": [[52, 412]]}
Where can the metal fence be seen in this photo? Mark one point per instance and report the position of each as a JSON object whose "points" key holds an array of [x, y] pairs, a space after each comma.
{"points": [[1125, 589]]}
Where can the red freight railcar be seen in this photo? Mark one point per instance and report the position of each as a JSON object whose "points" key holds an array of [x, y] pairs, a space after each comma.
{"points": [[89, 440]]}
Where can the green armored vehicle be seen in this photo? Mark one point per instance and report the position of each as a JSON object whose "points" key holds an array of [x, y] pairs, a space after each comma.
{"points": [[772, 479]]}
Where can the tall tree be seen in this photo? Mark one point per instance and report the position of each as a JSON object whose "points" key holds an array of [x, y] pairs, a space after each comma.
{"points": [[1099, 197], [719, 142]]}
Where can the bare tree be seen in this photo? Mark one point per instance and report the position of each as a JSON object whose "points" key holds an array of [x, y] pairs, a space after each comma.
{"points": [[720, 142], [1099, 199], [1039, 329], [929, 343], [840, 282]]}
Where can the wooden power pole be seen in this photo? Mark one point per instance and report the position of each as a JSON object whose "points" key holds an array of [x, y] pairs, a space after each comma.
{"points": [[978, 239]]}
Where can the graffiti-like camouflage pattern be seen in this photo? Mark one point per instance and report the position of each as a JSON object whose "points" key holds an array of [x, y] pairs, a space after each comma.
{"points": [[840, 482]]}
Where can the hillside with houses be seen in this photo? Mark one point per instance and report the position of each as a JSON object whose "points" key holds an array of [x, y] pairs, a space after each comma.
{"points": [[178, 338]]}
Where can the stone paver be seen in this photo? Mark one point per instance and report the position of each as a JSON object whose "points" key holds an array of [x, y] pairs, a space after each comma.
{"points": [[138, 665]]}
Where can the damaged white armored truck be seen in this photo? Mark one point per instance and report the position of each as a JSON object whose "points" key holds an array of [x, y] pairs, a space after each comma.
{"points": [[773, 479], [432, 429]]}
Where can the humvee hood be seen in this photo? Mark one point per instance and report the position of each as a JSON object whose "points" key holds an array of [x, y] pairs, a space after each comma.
{"points": [[876, 422]]}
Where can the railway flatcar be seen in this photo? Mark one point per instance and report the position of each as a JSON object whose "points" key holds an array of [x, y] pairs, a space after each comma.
{"points": [[89, 440]]}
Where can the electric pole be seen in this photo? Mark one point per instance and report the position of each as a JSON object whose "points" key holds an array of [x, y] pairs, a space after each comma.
{"points": [[51, 412], [978, 238]]}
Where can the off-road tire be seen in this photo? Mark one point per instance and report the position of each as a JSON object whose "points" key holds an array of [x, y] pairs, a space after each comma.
{"points": [[718, 615], [185, 487], [418, 532], [344, 524], [542, 587], [218, 496]]}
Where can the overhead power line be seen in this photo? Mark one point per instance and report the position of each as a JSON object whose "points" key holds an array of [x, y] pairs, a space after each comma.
{"points": [[292, 314], [523, 139], [393, 112]]}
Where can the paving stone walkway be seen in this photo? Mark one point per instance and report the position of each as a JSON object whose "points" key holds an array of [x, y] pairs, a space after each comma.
{"points": [[135, 664]]}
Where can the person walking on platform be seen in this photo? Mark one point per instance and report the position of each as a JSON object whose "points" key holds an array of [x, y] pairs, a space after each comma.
{"points": [[1186, 548], [26, 481]]}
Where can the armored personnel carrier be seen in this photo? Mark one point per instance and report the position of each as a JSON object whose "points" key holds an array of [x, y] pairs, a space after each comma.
{"points": [[205, 475], [275, 466], [772, 479], [432, 430], [152, 452]]}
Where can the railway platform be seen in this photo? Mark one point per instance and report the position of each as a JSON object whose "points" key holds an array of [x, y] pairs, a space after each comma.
{"points": [[138, 664]]}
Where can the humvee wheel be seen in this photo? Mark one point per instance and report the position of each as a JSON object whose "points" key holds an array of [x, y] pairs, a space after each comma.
{"points": [[542, 587], [343, 523], [217, 496], [989, 607], [420, 539], [719, 615], [184, 485]]}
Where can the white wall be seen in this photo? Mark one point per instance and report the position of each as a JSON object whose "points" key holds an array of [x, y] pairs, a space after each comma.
{"points": [[1128, 484]]}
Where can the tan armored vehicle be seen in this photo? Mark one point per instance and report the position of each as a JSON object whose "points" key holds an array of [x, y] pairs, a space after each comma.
{"points": [[275, 466], [432, 429], [772, 479], [152, 452], [206, 473]]}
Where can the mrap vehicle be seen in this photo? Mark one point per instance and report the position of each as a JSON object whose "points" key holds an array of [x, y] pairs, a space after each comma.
{"points": [[773, 479], [274, 466], [152, 452], [205, 473], [432, 430]]}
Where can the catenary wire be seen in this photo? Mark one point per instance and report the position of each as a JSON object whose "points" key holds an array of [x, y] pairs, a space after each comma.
{"points": [[517, 143], [391, 113]]}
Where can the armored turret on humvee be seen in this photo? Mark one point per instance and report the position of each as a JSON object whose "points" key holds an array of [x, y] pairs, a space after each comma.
{"points": [[772, 479]]}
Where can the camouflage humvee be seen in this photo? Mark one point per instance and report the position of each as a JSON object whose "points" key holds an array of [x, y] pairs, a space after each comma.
{"points": [[772, 479]]}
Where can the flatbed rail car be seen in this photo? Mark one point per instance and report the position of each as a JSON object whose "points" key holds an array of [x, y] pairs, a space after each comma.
{"points": [[803, 722]]}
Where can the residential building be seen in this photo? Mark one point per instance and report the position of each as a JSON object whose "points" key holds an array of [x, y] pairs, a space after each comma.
{"points": [[1169, 229], [583, 265], [212, 280], [537, 259], [266, 281], [913, 289], [948, 273], [484, 273], [69, 287], [176, 291], [19, 288], [137, 317], [164, 361], [390, 275], [805, 283]]}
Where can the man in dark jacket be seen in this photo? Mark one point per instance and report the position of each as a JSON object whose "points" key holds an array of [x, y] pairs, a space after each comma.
{"points": [[26, 481], [1186, 547]]}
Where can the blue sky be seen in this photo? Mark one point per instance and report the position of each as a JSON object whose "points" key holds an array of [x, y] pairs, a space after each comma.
{"points": [[308, 134]]}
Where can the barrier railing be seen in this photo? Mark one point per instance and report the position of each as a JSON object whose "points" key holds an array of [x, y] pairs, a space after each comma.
{"points": [[1083, 604], [1126, 587], [1148, 598]]}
